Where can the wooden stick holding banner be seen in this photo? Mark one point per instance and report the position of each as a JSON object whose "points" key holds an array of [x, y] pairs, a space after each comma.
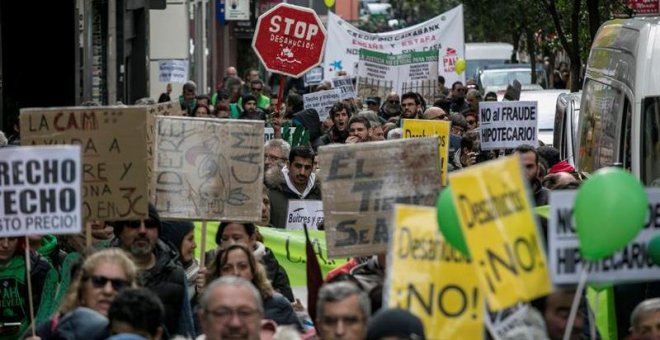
{"points": [[28, 269], [202, 253], [576, 303], [214, 173], [63, 181]]}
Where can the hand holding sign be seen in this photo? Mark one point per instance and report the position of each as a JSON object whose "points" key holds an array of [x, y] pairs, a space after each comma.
{"points": [[610, 209]]}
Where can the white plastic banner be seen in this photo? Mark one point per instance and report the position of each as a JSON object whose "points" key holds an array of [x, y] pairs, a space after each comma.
{"points": [[443, 33]]}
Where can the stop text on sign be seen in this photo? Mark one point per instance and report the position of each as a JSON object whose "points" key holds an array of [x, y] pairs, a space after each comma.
{"points": [[300, 29]]}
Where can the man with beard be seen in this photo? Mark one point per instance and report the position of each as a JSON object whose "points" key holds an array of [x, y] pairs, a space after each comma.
{"points": [[250, 109], [339, 130], [159, 271], [359, 130], [391, 108], [297, 181], [411, 105], [530, 162]]}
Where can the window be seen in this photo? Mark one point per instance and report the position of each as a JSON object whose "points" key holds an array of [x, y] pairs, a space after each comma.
{"points": [[650, 167], [597, 140]]}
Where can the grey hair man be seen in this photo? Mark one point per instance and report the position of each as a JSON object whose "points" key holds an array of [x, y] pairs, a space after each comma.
{"points": [[645, 319], [276, 153], [231, 308], [342, 311]]}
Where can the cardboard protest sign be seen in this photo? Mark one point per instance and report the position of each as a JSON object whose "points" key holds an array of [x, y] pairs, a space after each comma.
{"points": [[415, 128], [208, 168], [113, 142], [345, 85], [40, 190], [301, 212], [411, 71], [322, 101], [440, 285], [494, 208], [631, 264], [172, 108], [361, 183], [505, 125]]}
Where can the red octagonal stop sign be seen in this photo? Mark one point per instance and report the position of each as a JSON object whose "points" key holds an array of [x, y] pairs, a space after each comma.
{"points": [[289, 40]]}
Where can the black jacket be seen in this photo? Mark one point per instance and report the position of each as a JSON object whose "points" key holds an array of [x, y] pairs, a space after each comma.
{"points": [[278, 277], [167, 279]]}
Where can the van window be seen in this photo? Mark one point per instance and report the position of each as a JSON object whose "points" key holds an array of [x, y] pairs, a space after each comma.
{"points": [[650, 171], [600, 111]]}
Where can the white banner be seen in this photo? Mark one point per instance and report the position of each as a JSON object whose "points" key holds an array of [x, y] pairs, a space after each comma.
{"points": [[300, 212], [505, 125], [40, 190], [443, 33], [632, 264], [380, 73], [237, 10], [345, 85], [173, 71], [269, 132], [322, 101], [314, 76]]}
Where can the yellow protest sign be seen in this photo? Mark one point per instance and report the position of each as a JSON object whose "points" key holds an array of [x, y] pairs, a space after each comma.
{"points": [[439, 285], [499, 227], [413, 128]]}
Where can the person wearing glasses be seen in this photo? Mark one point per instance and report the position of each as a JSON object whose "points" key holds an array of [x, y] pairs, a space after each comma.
{"points": [[391, 108], [84, 310], [237, 260], [231, 308], [276, 154], [158, 268], [457, 98]]}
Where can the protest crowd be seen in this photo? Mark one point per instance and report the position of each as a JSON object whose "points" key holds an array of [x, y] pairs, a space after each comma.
{"points": [[335, 170]]}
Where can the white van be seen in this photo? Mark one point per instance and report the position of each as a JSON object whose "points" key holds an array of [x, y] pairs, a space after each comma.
{"points": [[619, 119], [478, 55]]}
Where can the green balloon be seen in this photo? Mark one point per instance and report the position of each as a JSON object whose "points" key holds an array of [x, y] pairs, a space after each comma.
{"points": [[610, 210], [654, 249], [448, 221]]}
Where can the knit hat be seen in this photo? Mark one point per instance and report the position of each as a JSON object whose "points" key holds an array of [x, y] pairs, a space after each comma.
{"points": [[118, 226], [174, 231], [395, 322]]}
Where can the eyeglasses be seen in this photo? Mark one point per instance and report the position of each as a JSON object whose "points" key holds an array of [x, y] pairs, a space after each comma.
{"points": [[226, 314], [273, 158], [257, 89], [461, 89], [99, 281], [395, 102], [471, 122], [134, 224]]}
